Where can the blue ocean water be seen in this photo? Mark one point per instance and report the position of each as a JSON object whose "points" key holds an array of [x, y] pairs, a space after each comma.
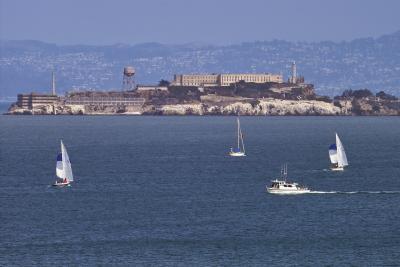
{"points": [[162, 191], [4, 107]]}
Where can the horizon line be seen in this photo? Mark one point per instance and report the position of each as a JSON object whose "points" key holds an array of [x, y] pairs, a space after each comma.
{"points": [[203, 44]]}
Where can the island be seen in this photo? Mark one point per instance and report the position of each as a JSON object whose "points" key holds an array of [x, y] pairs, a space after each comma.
{"points": [[262, 94]]}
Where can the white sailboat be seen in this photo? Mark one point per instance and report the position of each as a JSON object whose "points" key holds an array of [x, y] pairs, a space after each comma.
{"points": [[63, 169], [337, 155], [239, 151]]}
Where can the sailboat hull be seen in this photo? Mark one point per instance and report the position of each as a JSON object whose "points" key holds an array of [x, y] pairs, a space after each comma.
{"points": [[337, 169], [237, 154], [61, 184]]}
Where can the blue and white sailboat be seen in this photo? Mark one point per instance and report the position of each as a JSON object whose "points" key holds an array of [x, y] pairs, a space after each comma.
{"points": [[337, 155], [63, 169], [239, 151]]}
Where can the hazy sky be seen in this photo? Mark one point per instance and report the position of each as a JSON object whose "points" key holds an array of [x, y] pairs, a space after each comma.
{"points": [[203, 21]]}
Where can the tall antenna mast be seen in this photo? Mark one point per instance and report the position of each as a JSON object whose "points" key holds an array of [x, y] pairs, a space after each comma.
{"points": [[53, 83], [294, 72], [284, 171]]}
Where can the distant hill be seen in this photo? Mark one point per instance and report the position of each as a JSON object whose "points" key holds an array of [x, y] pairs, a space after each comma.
{"points": [[372, 63]]}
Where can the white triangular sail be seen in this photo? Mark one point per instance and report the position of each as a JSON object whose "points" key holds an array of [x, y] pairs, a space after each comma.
{"points": [[59, 167], [63, 167], [341, 154], [67, 164]]}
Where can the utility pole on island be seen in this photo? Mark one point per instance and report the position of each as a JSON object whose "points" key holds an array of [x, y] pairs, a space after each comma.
{"points": [[294, 72], [53, 83]]}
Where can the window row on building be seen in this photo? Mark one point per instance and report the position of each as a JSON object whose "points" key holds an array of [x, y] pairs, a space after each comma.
{"points": [[105, 101]]}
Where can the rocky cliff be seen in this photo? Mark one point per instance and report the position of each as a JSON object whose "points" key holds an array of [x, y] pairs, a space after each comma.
{"points": [[262, 107], [59, 109]]}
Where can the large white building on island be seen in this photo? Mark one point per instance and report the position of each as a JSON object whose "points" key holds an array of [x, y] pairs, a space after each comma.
{"points": [[224, 79]]}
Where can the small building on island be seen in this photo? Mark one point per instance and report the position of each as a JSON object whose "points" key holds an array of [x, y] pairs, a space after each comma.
{"points": [[29, 101]]}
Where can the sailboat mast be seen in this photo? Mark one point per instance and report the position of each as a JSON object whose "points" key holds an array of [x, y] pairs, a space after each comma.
{"points": [[241, 137], [238, 132]]}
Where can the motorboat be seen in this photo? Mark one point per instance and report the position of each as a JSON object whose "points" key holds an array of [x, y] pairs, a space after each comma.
{"points": [[282, 186]]}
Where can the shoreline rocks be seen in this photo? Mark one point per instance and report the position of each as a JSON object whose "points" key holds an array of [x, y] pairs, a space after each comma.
{"points": [[226, 106]]}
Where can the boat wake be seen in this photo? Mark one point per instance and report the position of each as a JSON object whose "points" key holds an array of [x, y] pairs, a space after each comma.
{"points": [[354, 192]]}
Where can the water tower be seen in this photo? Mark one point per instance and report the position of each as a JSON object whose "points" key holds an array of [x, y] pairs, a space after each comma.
{"points": [[128, 82]]}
